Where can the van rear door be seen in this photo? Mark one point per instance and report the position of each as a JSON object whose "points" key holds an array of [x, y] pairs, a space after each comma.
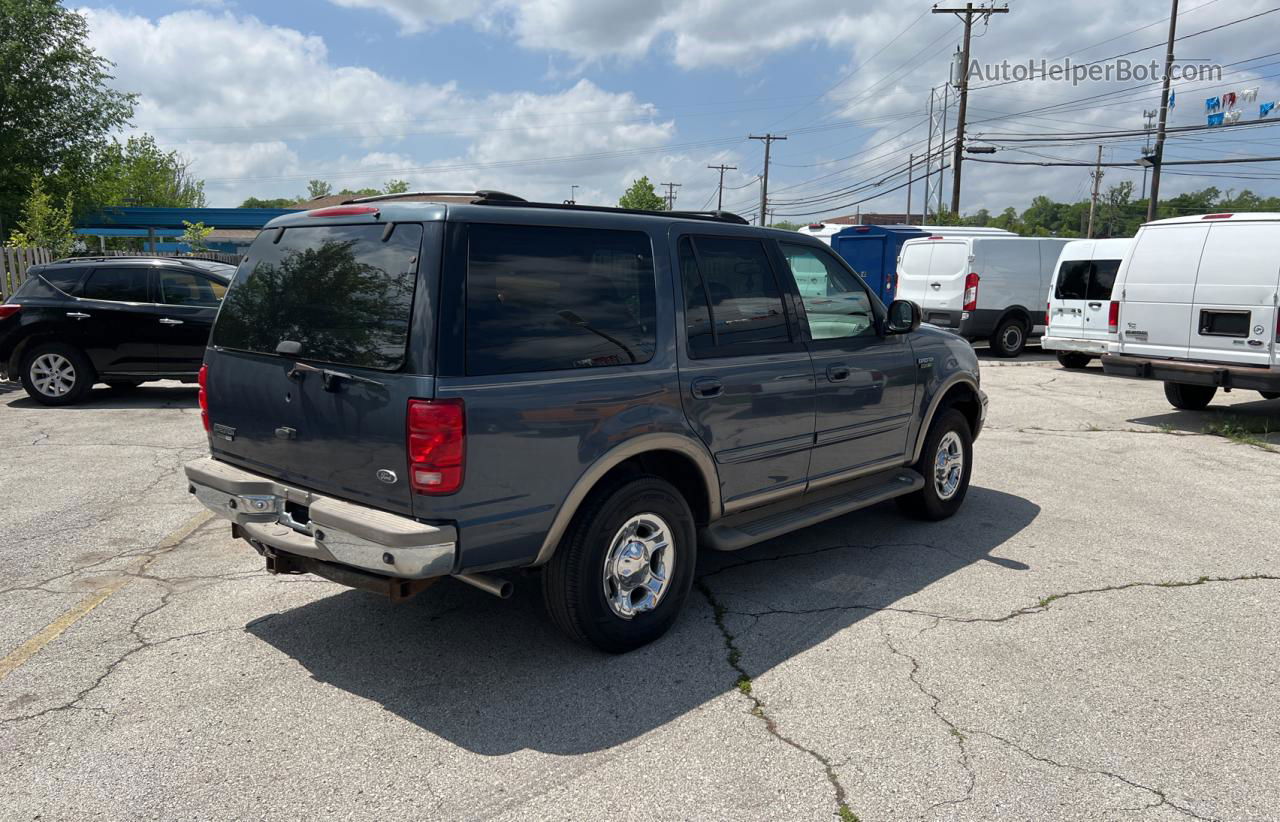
{"points": [[1158, 289], [913, 271], [322, 339], [947, 269], [1233, 318], [1068, 290]]}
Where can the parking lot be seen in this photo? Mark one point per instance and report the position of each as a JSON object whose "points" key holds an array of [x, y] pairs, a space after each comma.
{"points": [[1092, 637]]}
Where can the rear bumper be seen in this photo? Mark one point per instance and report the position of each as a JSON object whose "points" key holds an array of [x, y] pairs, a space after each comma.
{"points": [[1094, 347], [339, 532], [1192, 373]]}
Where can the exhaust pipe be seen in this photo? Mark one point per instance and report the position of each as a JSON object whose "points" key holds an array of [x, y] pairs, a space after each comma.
{"points": [[500, 588]]}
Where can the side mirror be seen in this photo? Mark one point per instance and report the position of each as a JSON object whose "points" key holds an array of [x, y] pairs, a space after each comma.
{"points": [[903, 318]]}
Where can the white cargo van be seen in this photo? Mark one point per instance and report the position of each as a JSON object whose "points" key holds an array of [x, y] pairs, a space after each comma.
{"points": [[1197, 308], [980, 287], [1080, 300]]}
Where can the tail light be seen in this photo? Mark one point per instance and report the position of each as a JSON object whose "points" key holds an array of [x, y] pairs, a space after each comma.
{"points": [[437, 445], [7, 311], [203, 379], [971, 291], [1048, 309], [1113, 317]]}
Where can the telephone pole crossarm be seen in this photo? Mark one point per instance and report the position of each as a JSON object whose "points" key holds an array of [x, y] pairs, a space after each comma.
{"points": [[764, 180]]}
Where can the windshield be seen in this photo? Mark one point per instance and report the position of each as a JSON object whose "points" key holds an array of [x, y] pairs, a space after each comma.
{"points": [[343, 293]]}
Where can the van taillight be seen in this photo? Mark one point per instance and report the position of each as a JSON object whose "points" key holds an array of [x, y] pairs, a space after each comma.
{"points": [[1048, 309], [971, 291], [7, 311], [203, 396], [1113, 317], [437, 445]]}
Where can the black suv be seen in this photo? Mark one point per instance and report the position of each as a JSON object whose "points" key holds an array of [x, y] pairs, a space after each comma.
{"points": [[396, 392], [118, 320]]}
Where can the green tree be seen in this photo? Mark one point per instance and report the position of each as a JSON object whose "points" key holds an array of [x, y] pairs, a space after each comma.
{"points": [[277, 202], [317, 189], [44, 224], [786, 225], [139, 173], [195, 235], [395, 187], [56, 108], [360, 192], [641, 195]]}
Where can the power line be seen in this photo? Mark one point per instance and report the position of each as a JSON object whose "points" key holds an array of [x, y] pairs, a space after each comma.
{"points": [[671, 194], [768, 140], [722, 168]]}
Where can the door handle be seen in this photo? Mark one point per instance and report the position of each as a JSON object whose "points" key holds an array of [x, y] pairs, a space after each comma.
{"points": [[935, 285], [838, 372], [77, 315], [1095, 305], [169, 321], [707, 387]]}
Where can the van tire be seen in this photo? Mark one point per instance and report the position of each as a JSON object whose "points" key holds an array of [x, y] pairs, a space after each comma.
{"points": [[928, 503], [1189, 397], [40, 356], [575, 579], [1073, 359], [1010, 338]]}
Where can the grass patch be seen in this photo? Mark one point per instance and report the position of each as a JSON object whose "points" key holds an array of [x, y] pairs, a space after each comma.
{"points": [[1244, 431], [847, 815], [744, 684]]}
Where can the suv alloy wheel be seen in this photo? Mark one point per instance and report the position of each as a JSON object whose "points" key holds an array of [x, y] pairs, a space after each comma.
{"points": [[56, 374]]}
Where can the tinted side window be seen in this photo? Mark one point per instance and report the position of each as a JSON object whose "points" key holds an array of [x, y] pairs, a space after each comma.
{"points": [[836, 302], [1073, 280], [697, 314], [745, 303], [66, 280], [1104, 277], [184, 288], [123, 285], [541, 299]]}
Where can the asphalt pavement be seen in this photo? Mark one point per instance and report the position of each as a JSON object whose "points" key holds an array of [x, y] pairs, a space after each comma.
{"points": [[1092, 637]]}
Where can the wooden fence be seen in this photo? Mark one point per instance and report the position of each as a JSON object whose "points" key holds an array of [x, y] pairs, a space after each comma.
{"points": [[14, 263]]}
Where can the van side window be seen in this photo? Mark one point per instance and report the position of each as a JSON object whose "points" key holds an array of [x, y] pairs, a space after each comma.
{"points": [[543, 299], [741, 294], [835, 301], [1073, 280]]}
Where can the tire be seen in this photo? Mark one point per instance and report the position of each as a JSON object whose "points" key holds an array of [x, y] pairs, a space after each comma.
{"points": [[123, 385], [931, 502], [1189, 397], [1073, 359], [1270, 395], [57, 374], [1010, 338], [575, 581]]}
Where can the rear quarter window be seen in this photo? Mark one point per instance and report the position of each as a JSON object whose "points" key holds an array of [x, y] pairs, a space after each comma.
{"points": [[915, 259], [343, 292]]}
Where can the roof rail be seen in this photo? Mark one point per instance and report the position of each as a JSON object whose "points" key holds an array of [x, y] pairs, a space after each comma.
{"points": [[99, 258], [417, 195], [712, 216]]}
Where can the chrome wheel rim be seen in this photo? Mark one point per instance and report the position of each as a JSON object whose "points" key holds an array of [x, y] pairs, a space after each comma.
{"points": [[638, 566], [53, 375], [948, 466], [1012, 338]]}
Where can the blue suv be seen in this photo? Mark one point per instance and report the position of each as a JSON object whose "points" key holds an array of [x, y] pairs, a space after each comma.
{"points": [[401, 390]]}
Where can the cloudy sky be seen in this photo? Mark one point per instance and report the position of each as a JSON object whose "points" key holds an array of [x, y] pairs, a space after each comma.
{"points": [[534, 96]]}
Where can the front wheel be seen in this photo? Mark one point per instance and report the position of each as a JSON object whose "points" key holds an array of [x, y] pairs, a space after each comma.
{"points": [[946, 463], [56, 374], [1073, 359], [1010, 338], [1189, 397], [624, 567]]}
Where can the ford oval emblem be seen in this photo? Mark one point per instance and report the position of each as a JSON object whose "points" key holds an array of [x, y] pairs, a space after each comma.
{"points": [[389, 477]]}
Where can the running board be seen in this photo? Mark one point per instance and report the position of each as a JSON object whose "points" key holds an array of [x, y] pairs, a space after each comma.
{"points": [[759, 524]]}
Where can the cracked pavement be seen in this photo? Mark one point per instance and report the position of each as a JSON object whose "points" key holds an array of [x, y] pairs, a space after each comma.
{"points": [[1092, 637]]}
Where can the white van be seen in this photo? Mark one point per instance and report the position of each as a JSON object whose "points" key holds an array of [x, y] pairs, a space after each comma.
{"points": [[1080, 300], [1197, 307], [980, 287]]}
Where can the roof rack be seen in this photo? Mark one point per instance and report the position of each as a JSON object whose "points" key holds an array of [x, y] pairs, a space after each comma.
{"points": [[713, 216], [99, 258], [488, 196]]}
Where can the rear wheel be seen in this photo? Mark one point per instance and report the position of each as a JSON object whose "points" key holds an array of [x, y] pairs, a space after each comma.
{"points": [[1189, 397], [1073, 359], [123, 385], [946, 463], [56, 374], [624, 567], [1010, 338]]}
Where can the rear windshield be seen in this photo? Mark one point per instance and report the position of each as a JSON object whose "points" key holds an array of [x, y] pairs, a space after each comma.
{"points": [[1086, 279], [342, 292]]}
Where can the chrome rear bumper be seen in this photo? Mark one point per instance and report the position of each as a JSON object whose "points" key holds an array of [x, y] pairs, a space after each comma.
{"points": [[335, 531]]}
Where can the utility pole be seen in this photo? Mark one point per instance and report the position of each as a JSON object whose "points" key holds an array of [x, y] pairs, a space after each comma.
{"points": [[720, 188], [1093, 203], [764, 181], [671, 194], [1158, 157], [573, 195], [942, 152], [911, 163], [1146, 147], [966, 14]]}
